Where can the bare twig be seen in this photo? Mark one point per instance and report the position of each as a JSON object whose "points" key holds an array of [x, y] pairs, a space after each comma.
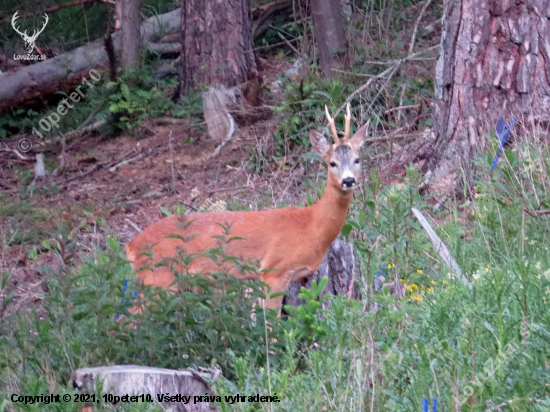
{"points": [[80, 130], [395, 109], [16, 152], [389, 72], [294, 49], [440, 247], [125, 162], [538, 213], [136, 227], [415, 31]]}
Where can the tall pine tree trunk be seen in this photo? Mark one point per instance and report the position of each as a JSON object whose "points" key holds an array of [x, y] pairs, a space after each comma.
{"points": [[329, 35], [494, 61], [217, 43]]}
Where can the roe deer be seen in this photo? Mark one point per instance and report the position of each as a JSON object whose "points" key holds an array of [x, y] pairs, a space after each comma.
{"points": [[290, 243]]}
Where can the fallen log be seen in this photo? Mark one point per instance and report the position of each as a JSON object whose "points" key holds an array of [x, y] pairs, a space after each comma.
{"points": [[63, 71]]}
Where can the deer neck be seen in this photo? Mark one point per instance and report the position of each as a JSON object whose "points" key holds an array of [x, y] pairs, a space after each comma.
{"points": [[329, 213]]}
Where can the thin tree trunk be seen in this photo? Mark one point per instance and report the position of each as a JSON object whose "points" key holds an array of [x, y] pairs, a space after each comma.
{"points": [[216, 43], [329, 34], [494, 61], [131, 38]]}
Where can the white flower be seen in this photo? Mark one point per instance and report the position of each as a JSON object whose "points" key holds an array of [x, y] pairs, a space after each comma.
{"points": [[538, 266], [547, 274], [475, 275]]}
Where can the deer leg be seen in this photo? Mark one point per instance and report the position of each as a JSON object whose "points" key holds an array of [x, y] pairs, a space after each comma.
{"points": [[278, 283]]}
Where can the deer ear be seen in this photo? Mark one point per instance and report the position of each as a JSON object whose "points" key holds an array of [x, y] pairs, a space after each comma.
{"points": [[319, 143], [359, 137]]}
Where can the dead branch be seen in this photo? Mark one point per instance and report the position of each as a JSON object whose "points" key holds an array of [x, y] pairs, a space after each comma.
{"points": [[16, 152], [390, 71], [395, 109], [274, 45], [125, 162], [81, 130], [136, 227], [415, 31], [538, 213], [266, 11], [168, 120], [294, 49]]}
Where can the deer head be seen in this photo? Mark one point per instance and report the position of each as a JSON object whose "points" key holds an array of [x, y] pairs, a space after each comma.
{"points": [[343, 156], [29, 40]]}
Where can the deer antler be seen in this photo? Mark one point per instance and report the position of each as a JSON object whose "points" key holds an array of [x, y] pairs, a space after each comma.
{"points": [[15, 17], [347, 123], [46, 20], [332, 126]]}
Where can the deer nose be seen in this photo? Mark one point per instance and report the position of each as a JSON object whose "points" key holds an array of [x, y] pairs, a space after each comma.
{"points": [[348, 182]]}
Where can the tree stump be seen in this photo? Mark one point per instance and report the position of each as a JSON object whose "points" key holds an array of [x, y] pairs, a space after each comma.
{"points": [[339, 266], [120, 380]]}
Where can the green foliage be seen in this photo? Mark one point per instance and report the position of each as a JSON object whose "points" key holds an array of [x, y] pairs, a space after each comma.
{"points": [[304, 320], [16, 122], [131, 105], [303, 106]]}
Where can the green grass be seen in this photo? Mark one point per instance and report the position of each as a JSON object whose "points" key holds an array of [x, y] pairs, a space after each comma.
{"points": [[472, 348]]}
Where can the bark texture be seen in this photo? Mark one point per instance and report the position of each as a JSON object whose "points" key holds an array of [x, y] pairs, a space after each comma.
{"points": [[120, 380], [131, 37], [329, 34], [494, 61], [339, 266], [217, 43]]}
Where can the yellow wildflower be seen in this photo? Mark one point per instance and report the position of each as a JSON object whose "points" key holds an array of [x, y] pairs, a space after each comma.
{"points": [[429, 290], [445, 282], [433, 282], [486, 268], [401, 280], [389, 265], [414, 286], [419, 271], [418, 298]]}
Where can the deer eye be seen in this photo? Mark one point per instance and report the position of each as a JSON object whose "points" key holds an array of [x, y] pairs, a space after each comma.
{"points": [[332, 164], [357, 161]]}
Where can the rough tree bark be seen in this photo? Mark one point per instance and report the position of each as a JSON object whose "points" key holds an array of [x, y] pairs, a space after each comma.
{"points": [[120, 380], [494, 61], [217, 43], [329, 34], [131, 38], [339, 266]]}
